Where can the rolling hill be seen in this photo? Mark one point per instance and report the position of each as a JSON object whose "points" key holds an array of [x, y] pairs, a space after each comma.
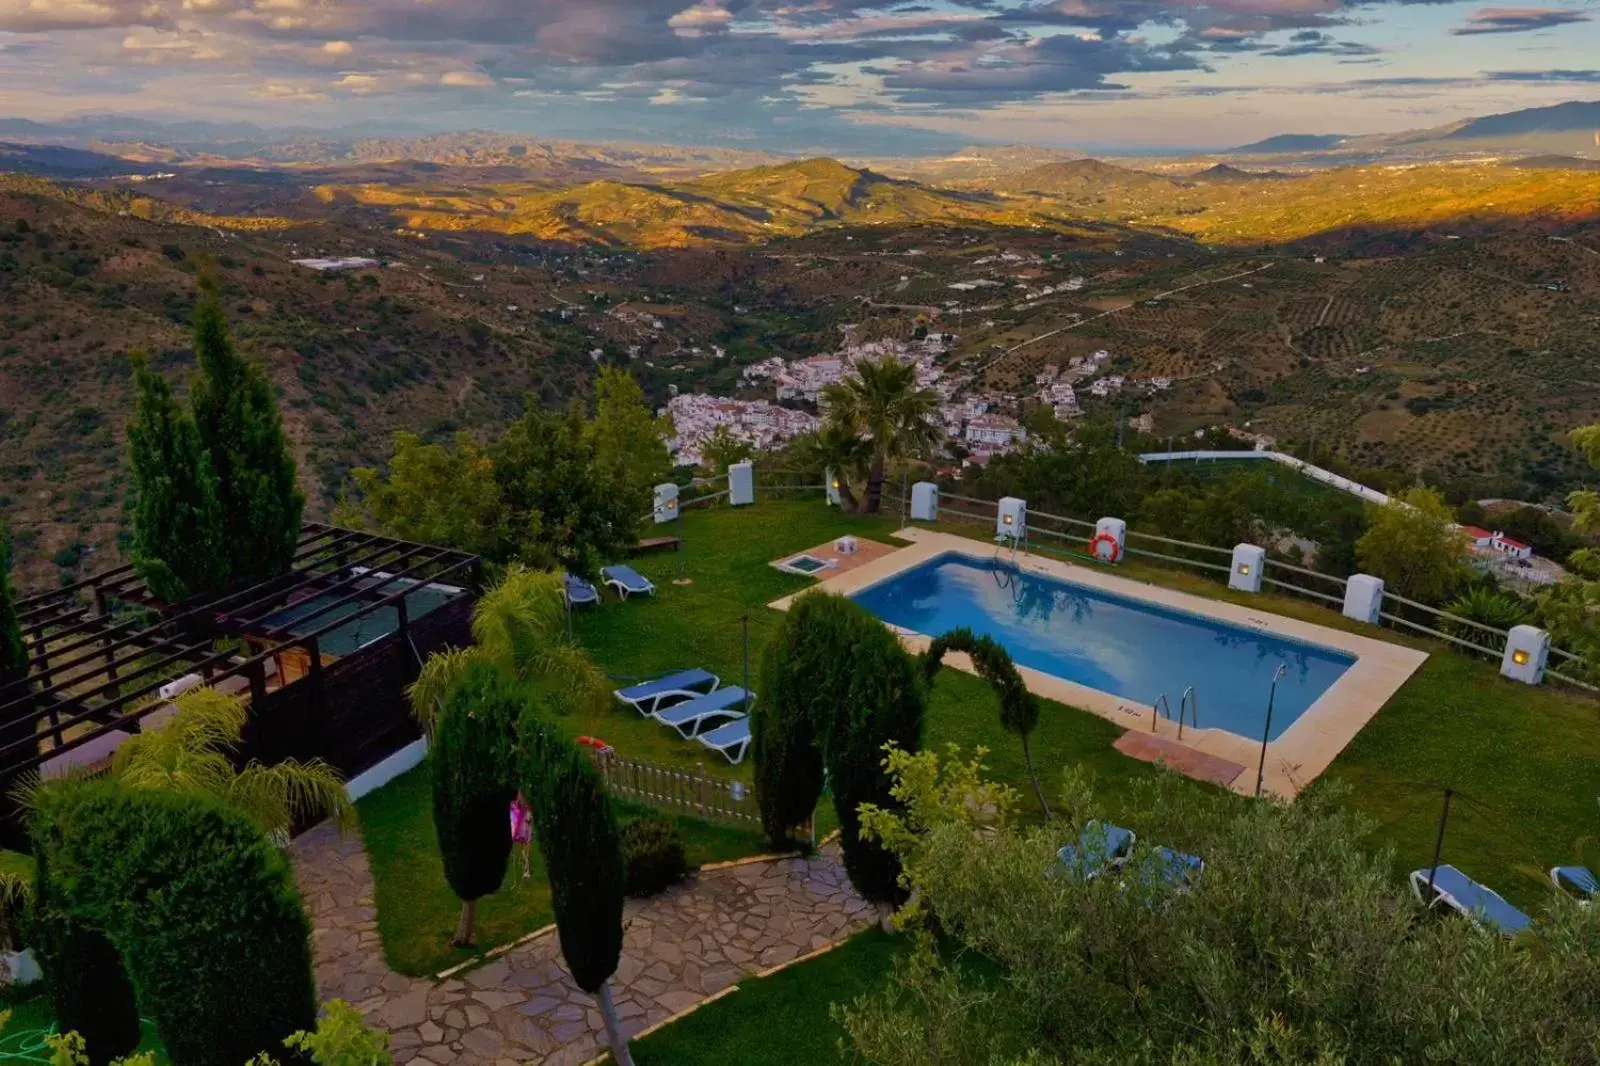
{"points": [[734, 207]]}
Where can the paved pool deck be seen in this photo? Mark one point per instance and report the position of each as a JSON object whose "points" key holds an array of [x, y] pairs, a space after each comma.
{"points": [[1294, 760]]}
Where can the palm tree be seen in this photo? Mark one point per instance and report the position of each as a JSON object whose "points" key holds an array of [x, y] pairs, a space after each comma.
{"points": [[520, 626], [190, 753], [839, 449], [882, 402]]}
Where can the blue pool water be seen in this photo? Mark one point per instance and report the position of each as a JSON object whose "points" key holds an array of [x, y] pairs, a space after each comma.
{"points": [[1126, 647]]}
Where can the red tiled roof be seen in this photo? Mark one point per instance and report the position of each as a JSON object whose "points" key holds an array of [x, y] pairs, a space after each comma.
{"points": [[1511, 542], [1476, 533]]}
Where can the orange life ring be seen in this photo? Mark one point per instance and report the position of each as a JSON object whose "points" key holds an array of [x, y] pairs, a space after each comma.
{"points": [[1105, 538], [596, 743]]}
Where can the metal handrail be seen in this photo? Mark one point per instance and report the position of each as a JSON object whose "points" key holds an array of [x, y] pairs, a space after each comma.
{"points": [[1155, 709], [1191, 700]]}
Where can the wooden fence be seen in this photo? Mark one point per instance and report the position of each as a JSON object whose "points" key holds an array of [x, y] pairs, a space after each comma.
{"points": [[692, 792]]}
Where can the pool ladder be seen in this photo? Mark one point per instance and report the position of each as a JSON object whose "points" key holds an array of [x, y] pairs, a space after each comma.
{"points": [[1188, 706]]}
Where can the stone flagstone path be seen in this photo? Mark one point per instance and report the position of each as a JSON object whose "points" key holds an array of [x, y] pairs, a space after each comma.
{"points": [[680, 947]]}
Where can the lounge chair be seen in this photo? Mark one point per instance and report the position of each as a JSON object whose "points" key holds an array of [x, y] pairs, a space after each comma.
{"points": [[691, 717], [647, 698], [1179, 868], [1579, 881], [579, 591], [1099, 847], [732, 739], [627, 581], [1456, 891]]}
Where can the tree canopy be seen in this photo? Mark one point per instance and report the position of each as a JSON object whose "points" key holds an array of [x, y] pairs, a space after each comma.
{"points": [[883, 403], [1295, 944], [1414, 545], [442, 494], [240, 427], [179, 536], [627, 437]]}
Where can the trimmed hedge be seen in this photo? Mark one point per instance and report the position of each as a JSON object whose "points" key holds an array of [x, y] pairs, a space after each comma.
{"points": [[652, 852], [201, 908], [89, 989]]}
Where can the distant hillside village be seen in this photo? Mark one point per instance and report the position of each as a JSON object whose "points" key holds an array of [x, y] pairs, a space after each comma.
{"points": [[983, 422]]}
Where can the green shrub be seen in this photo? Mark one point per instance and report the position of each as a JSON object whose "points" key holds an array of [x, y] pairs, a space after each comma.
{"points": [[783, 739], [842, 676], [202, 909], [89, 989], [472, 787], [652, 849]]}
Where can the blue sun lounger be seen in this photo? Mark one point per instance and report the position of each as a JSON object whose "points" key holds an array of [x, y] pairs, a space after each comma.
{"points": [[731, 739], [1178, 868], [578, 591], [1454, 890], [1579, 881], [627, 581], [1099, 847], [690, 718], [649, 696]]}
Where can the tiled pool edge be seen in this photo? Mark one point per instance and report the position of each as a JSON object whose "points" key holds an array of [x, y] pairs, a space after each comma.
{"points": [[1294, 760]]}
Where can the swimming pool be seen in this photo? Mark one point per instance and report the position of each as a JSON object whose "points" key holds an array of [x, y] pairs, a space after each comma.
{"points": [[1132, 649]]}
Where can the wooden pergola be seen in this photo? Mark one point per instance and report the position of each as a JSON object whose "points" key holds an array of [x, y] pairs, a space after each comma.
{"points": [[321, 653]]}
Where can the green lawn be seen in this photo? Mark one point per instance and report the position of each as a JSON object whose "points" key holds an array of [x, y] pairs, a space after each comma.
{"points": [[32, 1018], [780, 1020], [1523, 758], [417, 912]]}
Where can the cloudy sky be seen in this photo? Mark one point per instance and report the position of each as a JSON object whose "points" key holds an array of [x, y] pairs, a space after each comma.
{"points": [[852, 76]]}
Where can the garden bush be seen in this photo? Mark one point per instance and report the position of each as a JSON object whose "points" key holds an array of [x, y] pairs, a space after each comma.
{"points": [[840, 682], [201, 910], [472, 785], [652, 850], [88, 987]]}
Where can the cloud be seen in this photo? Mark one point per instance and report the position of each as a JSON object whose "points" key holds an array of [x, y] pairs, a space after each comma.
{"points": [[765, 70], [473, 79], [1517, 20], [1315, 42], [1576, 77]]}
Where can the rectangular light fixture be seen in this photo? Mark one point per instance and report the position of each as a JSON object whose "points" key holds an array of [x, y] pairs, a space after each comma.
{"points": [[1244, 568], [1007, 519], [1520, 657]]}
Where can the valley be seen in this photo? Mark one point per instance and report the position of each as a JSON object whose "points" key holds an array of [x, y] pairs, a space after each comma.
{"points": [[1437, 319]]}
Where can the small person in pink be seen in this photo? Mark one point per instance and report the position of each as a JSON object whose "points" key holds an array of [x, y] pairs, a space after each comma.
{"points": [[522, 832]]}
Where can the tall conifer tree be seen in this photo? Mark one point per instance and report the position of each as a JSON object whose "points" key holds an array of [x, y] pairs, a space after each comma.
{"points": [[177, 520], [240, 426]]}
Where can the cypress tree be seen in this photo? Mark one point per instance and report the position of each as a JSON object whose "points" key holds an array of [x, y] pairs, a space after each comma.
{"points": [[177, 518], [241, 429], [1019, 708], [882, 700], [582, 849], [783, 741], [13, 650], [837, 679], [472, 786]]}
